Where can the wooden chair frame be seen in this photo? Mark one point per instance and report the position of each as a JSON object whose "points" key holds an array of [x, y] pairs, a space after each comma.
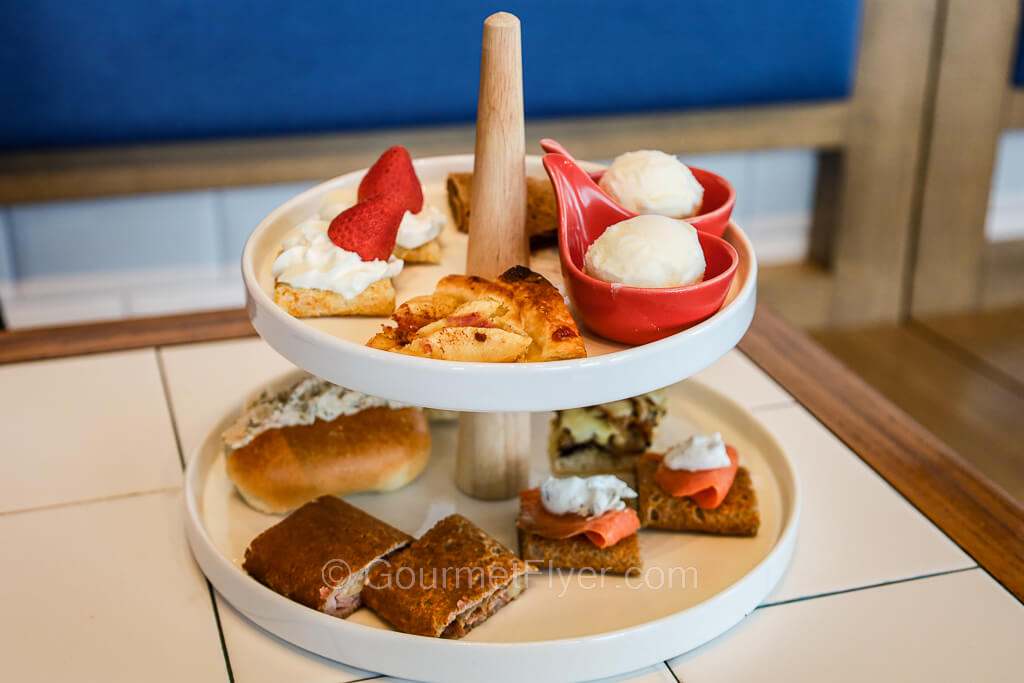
{"points": [[956, 269]]}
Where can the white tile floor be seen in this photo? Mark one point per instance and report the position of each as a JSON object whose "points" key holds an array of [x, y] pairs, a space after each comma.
{"points": [[105, 591], [956, 627], [110, 584], [84, 428]]}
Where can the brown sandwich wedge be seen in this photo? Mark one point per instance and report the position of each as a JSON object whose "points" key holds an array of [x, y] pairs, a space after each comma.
{"points": [[320, 554], [447, 582]]}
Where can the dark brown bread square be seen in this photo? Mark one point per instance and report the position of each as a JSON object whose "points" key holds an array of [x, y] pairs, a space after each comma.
{"points": [[736, 516], [541, 206], [447, 571], [290, 557], [577, 552]]}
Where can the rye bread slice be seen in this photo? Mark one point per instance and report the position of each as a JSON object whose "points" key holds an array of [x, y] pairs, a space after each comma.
{"points": [[318, 549], [451, 571], [579, 553], [737, 515]]}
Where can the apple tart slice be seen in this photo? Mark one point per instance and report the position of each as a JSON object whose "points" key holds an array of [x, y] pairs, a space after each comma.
{"points": [[518, 317]]}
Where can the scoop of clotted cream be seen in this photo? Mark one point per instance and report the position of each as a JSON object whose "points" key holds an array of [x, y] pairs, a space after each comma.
{"points": [[647, 251], [652, 182], [699, 452], [588, 497]]}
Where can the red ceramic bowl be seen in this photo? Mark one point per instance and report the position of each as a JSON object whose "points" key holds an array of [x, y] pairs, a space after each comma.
{"points": [[715, 209], [719, 199], [631, 315]]}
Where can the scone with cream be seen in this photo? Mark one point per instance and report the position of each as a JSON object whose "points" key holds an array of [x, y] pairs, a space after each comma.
{"points": [[315, 277], [344, 266]]}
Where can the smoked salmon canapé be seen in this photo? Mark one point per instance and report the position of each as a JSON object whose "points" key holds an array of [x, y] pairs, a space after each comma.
{"points": [[718, 500], [579, 524]]}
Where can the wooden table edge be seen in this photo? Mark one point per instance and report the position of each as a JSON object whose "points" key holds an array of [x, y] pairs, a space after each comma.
{"points": [[979, 516]]}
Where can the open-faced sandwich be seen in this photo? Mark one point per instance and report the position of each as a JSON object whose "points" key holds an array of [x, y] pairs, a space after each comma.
{"points": [[607, 438], [697, 486], [320, 554], [518, 317], [447, 582], [576, 523], [315, 437]]}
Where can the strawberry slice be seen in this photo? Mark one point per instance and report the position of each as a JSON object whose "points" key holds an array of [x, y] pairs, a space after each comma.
{"points": [[393, 174], [369, 228]]}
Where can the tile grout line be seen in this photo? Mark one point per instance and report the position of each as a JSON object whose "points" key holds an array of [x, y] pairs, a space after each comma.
{"points": [[89, 501], [775, 405], [181, 459], [880, 584], [220, 633], [158, 356], [885, 482]]}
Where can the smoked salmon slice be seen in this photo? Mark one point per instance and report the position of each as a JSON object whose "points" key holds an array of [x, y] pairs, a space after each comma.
{"points": [[603, 531], [707, 488]]}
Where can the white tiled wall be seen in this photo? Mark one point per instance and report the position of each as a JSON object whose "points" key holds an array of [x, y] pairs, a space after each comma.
{"points": [[73, 261], [1006, 201]]}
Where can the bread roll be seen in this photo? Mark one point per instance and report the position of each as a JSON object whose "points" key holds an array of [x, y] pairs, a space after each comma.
{"points": [[377, 449]]}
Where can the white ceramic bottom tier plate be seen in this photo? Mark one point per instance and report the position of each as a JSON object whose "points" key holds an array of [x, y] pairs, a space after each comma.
{"points": [[564, 626], [334, 348]]}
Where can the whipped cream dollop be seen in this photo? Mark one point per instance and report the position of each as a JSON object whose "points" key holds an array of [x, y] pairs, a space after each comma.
{"points": [[589, 497], [699, 452], [647, 251], [415, 230], [302, 403], [648, 181], [310, 260]]}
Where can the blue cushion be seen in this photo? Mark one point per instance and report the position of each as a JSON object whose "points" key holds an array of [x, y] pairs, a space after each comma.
{"points": [[107, 71]]}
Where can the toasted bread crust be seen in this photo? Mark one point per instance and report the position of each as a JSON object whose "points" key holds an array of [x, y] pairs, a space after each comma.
{"points": [[580, 554], [541, 206], [290, 557], [429, 252], [377, 299], [737, 515], [448, 570]]}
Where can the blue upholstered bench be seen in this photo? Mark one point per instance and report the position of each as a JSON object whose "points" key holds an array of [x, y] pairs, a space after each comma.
{"points": [[111, 71], [111, 96]]}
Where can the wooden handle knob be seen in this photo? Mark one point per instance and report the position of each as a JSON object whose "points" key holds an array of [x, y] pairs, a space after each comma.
{"points": [[497, 219]]}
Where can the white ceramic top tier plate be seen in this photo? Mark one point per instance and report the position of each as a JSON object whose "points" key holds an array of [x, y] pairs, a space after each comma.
{"points": [[565, 626], [334, 348]]}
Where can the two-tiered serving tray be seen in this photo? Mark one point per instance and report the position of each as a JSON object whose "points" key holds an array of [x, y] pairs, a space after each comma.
{"points": [[565, 626]]}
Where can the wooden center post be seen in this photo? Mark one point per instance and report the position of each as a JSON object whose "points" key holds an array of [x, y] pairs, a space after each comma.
{"points": [[492, 459]]}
